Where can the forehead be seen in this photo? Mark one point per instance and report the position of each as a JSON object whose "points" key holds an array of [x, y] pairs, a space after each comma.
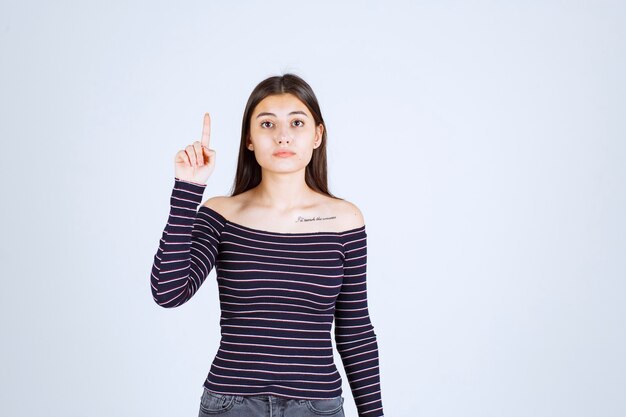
{"points": [[280, 103]]}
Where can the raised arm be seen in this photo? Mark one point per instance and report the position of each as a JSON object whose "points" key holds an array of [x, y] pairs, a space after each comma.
{"points": [[188, 247]]}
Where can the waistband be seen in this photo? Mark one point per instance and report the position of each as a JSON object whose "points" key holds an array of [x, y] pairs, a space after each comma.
{"points": [[262, 397]]}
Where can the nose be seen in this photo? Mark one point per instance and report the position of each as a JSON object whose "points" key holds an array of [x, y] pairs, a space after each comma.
{"points": [[283, 136]]}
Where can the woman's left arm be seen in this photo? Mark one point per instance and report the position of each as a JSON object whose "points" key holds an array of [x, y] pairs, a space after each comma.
{"points": [[354, 332]]}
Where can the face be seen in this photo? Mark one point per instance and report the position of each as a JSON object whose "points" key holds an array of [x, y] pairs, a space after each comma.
{"points": [[282, 123]]}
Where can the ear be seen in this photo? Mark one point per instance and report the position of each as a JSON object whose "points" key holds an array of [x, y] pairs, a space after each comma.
{"points": [[249, 145], [319, 130]]}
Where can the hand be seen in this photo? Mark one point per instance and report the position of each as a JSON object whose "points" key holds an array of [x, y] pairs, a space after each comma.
{"points": [[196, 162]]}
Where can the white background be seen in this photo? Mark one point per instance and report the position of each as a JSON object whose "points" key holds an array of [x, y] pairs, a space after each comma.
{"points": [[484, 142]]}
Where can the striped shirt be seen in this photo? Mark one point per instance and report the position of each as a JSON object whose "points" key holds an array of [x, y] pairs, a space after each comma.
{"points": [[279, 294]]}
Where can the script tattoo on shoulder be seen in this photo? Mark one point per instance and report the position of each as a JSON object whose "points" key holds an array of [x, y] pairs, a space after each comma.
{"points": [[313, 219]]}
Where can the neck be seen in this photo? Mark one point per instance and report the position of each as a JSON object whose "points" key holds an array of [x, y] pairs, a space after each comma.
{"points": [[283, 191]]}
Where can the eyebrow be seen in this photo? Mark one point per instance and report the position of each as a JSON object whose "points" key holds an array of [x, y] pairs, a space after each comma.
{"points": [[272, 114]]}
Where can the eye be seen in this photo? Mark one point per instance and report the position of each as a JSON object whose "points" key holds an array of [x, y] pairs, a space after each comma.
{"points": [[299, 121], [266, 121]]}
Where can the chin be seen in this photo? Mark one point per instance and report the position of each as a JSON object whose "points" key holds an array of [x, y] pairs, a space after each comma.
{"points": [[285, 169]]}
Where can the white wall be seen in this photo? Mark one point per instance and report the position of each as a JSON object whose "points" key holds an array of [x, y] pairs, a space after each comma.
{"points": [[483, 141]]}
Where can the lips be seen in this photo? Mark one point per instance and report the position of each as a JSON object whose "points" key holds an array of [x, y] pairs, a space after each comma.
{"points": [[283, 153]]}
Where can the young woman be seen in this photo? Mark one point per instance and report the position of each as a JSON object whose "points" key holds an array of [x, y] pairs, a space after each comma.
{"points": [[290, 259]]}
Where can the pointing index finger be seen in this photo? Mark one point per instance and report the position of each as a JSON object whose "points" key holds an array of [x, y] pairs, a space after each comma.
{"points": [[206, 130]]}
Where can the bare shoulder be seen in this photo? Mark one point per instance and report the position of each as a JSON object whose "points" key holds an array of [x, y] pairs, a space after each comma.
{"points": [[214, 202], [350, 215], [338, 215], [220, 203]]}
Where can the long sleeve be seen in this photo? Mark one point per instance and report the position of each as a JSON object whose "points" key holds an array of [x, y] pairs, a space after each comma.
{"points": [[188, 247], [354, 333]]}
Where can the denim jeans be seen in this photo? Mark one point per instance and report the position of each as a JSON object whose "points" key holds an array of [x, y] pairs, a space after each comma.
{"points": [[215, 404]]}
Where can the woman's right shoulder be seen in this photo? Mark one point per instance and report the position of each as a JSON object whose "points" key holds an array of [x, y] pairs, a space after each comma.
{"points": [[218, 202], [224, 205]]}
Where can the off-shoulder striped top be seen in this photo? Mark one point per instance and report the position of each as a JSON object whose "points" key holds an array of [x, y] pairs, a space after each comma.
{"points": [[279, 295]]}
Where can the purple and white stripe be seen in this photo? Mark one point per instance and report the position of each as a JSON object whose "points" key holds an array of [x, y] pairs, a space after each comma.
{"points": [[279, 294]]}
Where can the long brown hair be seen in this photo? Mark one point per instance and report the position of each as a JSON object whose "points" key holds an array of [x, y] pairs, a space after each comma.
{"points": [[248, 169]]}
